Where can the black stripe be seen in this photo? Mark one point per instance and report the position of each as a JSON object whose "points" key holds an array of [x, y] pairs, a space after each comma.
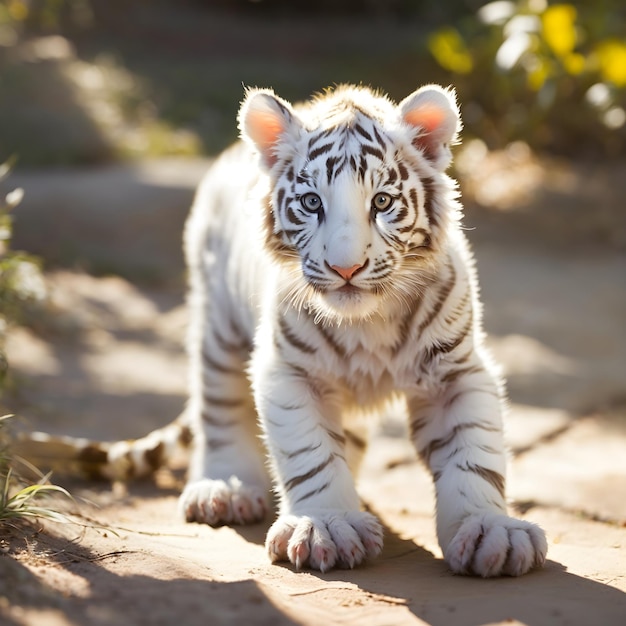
{"points": [[416, 425], [330, 340], [321, 150], [225, 344], [392, 176], [299, 451], [293, 339], [355, 440], [341, 167], [303, 177], [287, 407], [464, 357], [280, 196], [400, 215], [330, 166], [406, 325], [429, 204], [449, 346], [393, 240], [319, 136], [416, 231], [444, 292], [359, 129], [302, 478], [459, 309], [379, 137], [299, 371], [224, 402], [217, 422], [332, 171], [314, 492], [292, 232], [441, 442], [293, 218], [336, 436], [211, 363], [454, 397], [413, 199], [303, 240], [377, 152], [453, 374], [495, 479], [362, 167]]}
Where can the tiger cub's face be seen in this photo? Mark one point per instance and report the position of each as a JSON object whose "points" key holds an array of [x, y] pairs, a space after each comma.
{"points": [[357, 193]]}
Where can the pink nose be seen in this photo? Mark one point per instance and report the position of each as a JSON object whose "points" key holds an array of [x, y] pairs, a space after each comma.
{"points": [[347, 272]]}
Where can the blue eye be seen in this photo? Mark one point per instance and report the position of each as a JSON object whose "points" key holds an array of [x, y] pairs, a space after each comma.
{"points": [[381, 202], [311, 202]]}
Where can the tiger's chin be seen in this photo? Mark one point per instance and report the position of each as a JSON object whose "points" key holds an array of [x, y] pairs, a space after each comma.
{"points": [[347, 304]]}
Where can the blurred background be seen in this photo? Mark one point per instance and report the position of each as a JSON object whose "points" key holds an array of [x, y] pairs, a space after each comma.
{"points": [[110, 111], [92, 81]]}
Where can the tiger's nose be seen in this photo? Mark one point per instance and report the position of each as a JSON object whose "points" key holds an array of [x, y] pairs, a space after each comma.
{"points": [[347, 272]]}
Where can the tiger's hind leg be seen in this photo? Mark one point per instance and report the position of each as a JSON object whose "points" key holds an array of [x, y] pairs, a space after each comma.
{"points": [[227, 483]]}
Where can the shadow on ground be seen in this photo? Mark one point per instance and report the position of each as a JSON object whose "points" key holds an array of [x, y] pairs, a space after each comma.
{"points": [[405, 580]]}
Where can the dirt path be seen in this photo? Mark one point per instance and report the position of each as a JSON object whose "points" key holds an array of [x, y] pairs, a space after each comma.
{"points": [[108, 362]]}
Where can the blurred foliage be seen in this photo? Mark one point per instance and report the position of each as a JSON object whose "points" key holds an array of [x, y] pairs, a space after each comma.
{"points": [[21, 282], [153, 78], [553, 75], [397, 8], [18, 16]]}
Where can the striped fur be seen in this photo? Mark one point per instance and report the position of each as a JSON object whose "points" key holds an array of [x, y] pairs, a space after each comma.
{"points": [[97, 460], [329, 273]]}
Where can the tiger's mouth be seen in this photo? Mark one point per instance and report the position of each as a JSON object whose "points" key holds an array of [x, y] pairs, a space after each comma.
{"points": [[347, 289], [350, 290], [345, 302]]}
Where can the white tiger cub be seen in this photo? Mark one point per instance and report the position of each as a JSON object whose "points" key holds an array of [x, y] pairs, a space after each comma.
{"points": [[329, 273]]}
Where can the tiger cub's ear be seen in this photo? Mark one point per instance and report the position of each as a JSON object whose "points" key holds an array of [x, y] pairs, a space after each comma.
{"points": [[265, 121], [434, 113]]}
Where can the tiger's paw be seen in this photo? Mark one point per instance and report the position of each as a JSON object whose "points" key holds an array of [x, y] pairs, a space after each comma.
{"points": [[496, 545], [218, 502], [325, 540]]}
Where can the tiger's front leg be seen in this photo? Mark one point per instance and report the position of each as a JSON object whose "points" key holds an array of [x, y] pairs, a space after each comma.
{"points": [[459, 437], [320, 524]]}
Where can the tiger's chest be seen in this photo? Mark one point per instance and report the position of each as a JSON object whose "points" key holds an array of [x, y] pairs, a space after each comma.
{"points": [[369, 379], [366, 363]]}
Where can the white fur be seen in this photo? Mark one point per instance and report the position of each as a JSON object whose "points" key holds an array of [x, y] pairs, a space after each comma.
{"points": [[315, 356]]}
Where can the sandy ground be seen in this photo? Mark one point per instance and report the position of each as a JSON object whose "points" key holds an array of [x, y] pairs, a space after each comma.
{"points": [[107, 362]]}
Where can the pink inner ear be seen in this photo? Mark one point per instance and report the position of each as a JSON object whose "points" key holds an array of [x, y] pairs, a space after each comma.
{"points": [[265, 128], [427, 116]]}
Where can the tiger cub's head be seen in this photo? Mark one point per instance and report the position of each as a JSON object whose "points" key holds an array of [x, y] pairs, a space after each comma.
{"points": [[359, 202]]}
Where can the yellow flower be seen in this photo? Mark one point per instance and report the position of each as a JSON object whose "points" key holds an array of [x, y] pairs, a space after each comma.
{"points": [[450, 51], [611, 55], [558, 26]]}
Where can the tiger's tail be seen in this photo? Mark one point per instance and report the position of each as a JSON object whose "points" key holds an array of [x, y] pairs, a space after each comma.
{"points": [[97, 460]]}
